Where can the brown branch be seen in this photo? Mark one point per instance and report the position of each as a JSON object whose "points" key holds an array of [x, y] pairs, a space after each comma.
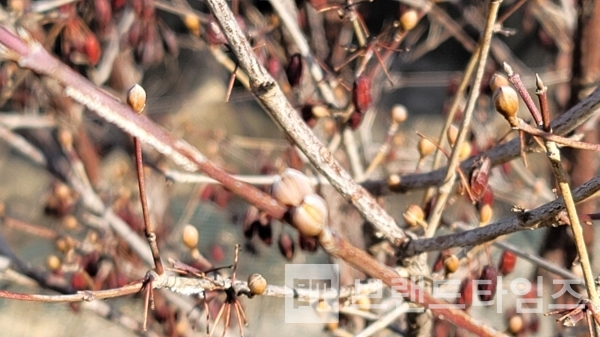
{"points": [[500, 154], [275, 102], [526, 220]]}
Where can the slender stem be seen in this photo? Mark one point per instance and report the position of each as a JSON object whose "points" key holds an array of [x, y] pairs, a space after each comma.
{"points": [[451, 113], [560, 174], [445, 189], [515, 79], [148, 227]]}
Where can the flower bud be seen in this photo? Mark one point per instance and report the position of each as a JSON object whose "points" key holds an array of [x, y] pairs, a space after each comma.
{"points": [[485, 214], [506, 101], [291, 187], [452, 134], [515, 324], [409, 19], [425, 147], [364, 303], [192, 23], [465, 151], [53, 263], [451, 264], [497, 81], [136, 98], [190, 237], [257, 284], [310, 218], [414, 215], [399, 113]]}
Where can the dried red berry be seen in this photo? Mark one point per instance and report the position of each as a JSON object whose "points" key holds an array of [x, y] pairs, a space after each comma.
{"points": [[361, 93], [479, 179], [355, 120], [308, 243], [466, 293], [214, 35], [293, 70], [286, 246], [265, 233], [508, 260], [488, 282]]}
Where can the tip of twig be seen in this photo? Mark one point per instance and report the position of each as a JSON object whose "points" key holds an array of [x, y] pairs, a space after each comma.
{"points": [[507, 68], [539, 83]]}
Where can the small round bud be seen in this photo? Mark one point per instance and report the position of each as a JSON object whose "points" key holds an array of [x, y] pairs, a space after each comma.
{"points": [[190, 237], [399, 113], [320, 111], [425, 147], [451, 264], [53, 263], [414, 215], [485, 214], [257, 284], [192, 23], [136, 98], [452, 134], [70, 222], [465, 151], [310, 218], [364, 303], [65, 139], [291, 187], [393, 180], [515, 324], [409, 19], [506, 101], [498, 81]]}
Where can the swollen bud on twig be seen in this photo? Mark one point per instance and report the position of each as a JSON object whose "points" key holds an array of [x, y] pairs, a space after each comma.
{"points": [[414, 216], [190, 237], [291, 187], [192, 24], [498, 81], [136, 98], [399, 114], [310, 217], [257, 284], [409, 20], [452, 134], [425, 147], [451, 264], [485, 214], [506, 101]]}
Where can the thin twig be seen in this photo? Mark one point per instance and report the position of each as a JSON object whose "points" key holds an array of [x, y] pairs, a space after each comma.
{"points": [[535, 218], [560, 174], [445, 189]]}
